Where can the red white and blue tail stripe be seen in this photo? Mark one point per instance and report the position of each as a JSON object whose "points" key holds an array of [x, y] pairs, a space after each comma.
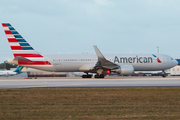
{"points": [[21, 48]]}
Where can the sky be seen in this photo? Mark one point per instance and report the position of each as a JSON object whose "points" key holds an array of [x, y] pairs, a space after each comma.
{"points": [[74, 26]]}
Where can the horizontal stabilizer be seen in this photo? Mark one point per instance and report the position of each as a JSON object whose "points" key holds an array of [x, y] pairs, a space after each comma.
{"points": [[22, 59]]}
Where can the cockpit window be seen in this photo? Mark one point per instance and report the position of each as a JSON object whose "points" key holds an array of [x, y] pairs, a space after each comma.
{"points": [[171, 58]]}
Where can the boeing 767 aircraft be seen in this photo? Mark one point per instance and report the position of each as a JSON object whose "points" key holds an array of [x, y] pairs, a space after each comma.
{"points": [[123, 64]]}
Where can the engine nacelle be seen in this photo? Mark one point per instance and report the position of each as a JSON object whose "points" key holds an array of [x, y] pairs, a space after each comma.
{"points": [[125, 70]]}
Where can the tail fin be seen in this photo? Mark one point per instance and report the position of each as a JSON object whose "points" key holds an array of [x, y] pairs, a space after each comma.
{"points": [[18, 44], [24, 54], [178, 60], [18, 69]]}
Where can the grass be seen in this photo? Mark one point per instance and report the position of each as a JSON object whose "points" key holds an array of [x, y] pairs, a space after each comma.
{"points": [[90, 103]]}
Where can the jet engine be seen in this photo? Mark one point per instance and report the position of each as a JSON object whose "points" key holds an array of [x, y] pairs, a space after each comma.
{"points": [[125, 70]]}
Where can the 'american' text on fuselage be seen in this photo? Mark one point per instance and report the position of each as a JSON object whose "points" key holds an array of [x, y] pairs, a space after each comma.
{"points": [[133, 59]]}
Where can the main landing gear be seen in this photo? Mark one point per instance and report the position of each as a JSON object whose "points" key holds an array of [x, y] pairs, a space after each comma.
{"points": [[164, 74], [99, 76], [90, 76], [87, 76]]}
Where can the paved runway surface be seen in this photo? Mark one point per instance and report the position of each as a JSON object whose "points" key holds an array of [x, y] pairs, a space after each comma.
{"points": [[79, 82]]}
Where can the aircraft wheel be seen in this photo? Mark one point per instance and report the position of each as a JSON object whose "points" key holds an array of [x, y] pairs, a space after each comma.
{"points": [[96, 76], [84, 76], [101, 76], [89, 76], [164, 75]]}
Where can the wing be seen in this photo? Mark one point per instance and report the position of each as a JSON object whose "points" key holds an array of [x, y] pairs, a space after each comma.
{"points": [[103, 63]]}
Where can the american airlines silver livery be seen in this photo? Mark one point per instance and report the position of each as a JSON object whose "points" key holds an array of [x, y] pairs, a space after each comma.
{"points": [[99, 64]]}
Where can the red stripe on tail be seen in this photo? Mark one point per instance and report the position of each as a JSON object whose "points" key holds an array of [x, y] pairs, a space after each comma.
{"points": [[8, 32], [16, 48], [12, 40], [4, 25]]}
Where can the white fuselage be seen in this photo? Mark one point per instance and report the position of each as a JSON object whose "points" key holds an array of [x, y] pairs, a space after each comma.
{"points": [[81, 63], [7, 73]]}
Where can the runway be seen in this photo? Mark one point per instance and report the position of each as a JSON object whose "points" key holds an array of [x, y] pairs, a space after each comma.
{"points": [[91, 83]]}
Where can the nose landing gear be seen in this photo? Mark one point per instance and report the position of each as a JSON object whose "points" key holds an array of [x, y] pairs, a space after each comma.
{"points": [[164, 74]]}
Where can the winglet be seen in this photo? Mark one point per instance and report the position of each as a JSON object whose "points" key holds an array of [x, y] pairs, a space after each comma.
{"points": [[98, 53]]}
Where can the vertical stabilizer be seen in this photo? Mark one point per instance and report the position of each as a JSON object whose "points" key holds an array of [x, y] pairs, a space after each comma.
{"points": [[22, 49], [18, 69], [18, 44]]}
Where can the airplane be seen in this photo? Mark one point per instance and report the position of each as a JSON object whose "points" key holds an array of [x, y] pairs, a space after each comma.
{"points": [[123, 64], [11, 73]]}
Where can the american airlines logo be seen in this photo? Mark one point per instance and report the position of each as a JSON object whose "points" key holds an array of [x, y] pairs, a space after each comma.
{"points": [[158, 60], [133, 59]]}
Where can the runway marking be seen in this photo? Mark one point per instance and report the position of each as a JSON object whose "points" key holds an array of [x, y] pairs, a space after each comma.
{"points": [[92, 79]]}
